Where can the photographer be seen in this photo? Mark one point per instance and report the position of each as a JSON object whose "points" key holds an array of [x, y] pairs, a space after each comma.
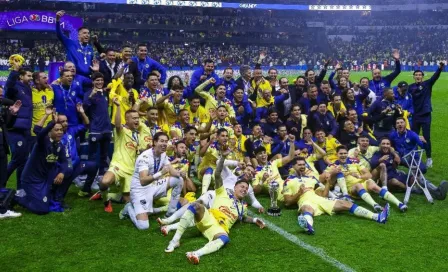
{"points": [[383, 114]]}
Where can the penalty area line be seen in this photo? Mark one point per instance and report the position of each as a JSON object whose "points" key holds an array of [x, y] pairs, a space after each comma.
{"points": [[315, 250]]}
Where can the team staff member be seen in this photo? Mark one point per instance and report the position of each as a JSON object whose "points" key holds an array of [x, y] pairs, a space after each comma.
{"points": [[204, 73], [378, 83], [47, 165], [146, 65], [421, 92], [18, 88], [383, 114], [79, 52]]}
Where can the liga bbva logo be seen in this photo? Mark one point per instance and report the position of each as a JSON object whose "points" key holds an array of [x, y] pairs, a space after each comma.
{"points": [[34, 18]]}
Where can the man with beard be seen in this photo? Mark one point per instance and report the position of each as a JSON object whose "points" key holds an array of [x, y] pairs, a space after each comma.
{"points": [[378, 83], [204, 73], [297, 90], [297, 122], [43, 96], [309, 104], [146, 65], [316, 80], [228, 81]]}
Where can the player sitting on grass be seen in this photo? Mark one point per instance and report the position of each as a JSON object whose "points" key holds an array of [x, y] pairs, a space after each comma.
{"points": [[355, 179], [300, 189], [216, 222]]}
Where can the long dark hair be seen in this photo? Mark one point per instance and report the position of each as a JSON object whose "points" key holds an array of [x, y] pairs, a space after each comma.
{"points": [[170, 82]]}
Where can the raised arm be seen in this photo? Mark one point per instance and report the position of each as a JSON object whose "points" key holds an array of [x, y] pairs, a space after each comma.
{"points": [[397, 71], [64, 39], [219, 167], [118, 126], [292, 149], [436, 75], [84, 118]]}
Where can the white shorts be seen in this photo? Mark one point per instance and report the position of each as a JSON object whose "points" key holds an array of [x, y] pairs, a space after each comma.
{"points": [[143, 198]]}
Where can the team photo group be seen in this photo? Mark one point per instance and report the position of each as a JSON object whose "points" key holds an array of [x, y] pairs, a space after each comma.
{"points": [[197, 150]]}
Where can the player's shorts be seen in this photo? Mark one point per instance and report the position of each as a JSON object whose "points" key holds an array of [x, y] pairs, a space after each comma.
{"points": [[319, 204], [121, 177], [142, 199], [209, 226], [398, 175], [353, 192]]}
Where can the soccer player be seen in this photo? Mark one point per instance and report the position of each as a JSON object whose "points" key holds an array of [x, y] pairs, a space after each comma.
{"points": [[148, 183], [421, 92], [301, 189], [100, 130], [42, 97], [379, 83], [146, 65], [198, 114], [397, 179], [212, 102], [122, 89], [297, 122], [218, 120], [150, 128], [242, 108], [228, 81], [151, 92], [266, 101], [172, 104], [123, 159], [216, 222], [210, 153], [329, 144], [177, 130], [79, 52], [17, 88], [47, 165], [268, 172], [353, 179]]}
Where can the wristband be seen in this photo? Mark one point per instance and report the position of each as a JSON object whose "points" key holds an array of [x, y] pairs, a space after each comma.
{"points": [[157, 175], [254, 220]]}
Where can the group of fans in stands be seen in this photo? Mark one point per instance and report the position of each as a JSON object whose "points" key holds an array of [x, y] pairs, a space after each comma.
{"points": [[318, 143]]}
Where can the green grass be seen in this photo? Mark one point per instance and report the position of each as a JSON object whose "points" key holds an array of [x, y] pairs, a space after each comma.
{"points": [[86, 238]]}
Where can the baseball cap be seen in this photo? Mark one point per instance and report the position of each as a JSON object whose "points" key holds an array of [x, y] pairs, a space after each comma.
{"points": [[402, 84]]}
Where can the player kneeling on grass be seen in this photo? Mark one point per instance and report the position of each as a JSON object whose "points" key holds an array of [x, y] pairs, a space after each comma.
{"points": [[300, 189], [216, 222], [148, 184], [354, 179]]}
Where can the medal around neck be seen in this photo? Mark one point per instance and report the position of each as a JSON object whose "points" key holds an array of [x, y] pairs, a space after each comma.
{"points": [[274, 210]]}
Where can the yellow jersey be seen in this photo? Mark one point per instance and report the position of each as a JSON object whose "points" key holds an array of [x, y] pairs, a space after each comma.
{"points": [[146, 135], [199, 117], [211, 156], [330, 145], [265, 85], [192, 150], [178, 129], [171, 110], [227, 209], [274, 175], [351, 166], [118, 91], [211, 103], [125, 149], [152, 102], [293, 183], [41, 99], [226, 125], [238, 146], [181, 164], [364, 159]]}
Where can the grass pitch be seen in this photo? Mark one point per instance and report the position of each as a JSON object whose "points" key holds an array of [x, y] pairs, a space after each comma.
{"points": [[86, 238]]}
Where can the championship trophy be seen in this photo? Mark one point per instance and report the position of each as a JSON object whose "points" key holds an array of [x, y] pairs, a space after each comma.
{"points": [[274, 210]]}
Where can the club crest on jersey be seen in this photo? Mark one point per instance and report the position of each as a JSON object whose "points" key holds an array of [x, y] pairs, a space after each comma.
{"points": [[93, 139], [147, 66], [19, 143], [420, 88], [408, 140], [45, 199]]}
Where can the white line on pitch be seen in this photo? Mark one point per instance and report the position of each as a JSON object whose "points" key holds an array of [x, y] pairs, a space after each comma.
{"points": [[315, 250]]}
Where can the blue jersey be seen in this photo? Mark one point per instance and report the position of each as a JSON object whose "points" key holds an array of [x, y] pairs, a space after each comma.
{"points": [[65, 100], [230, 86], [96, 108], [69, 143], [405, 142], [16, 90], [196, 79], [147, 65], [80, 54], [405, 101], [377, 86]]}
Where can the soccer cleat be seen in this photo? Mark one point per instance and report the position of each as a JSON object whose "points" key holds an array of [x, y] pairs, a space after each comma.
{"points": [[377, 208], [10, 214], [403, 208], [382, 217], [164, 230], [192, 257], [108, 206], [96, 196], [172, 245], [428, 163], [83, 194], [303, 223], [124, 212]]}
